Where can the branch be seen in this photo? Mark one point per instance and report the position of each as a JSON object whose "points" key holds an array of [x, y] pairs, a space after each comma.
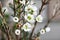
{"points": [[1, 10], [14, 7], [49, 20], [4, 21], [43, 3], [54, 12]]}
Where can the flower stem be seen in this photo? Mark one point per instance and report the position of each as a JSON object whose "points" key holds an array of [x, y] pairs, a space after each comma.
{"points": [[8, 36], [14, 8], [36, 21], [1, 10]]}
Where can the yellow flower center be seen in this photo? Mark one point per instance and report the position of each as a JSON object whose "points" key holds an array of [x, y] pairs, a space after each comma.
{"points": [[26, 27], [29, 17]]}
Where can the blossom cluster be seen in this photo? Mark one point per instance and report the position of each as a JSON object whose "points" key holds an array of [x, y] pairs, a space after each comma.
{"points": [[31, 16]]}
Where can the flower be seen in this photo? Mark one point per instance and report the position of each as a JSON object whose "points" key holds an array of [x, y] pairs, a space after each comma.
{"points": [[15, 19], [39, 18], [47, 29], [42, 31], [27, 27], [31, 9], [22, 2], [30, 18], [17, 32]]}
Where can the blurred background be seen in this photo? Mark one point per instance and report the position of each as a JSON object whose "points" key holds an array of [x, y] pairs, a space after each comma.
{"points": [[54, 34]]}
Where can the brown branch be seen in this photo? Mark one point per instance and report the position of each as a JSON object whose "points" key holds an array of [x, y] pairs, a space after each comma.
{"points": [[43, 3], [55, 13], [6, 31], [14, 7], [1, 10], [49, 20], [8, 35], [4, 21], [19, 9], [36, 22]]}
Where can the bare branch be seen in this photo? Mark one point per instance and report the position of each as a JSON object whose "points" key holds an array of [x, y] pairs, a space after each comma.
{"points": [[1, 10], [55, 13]]}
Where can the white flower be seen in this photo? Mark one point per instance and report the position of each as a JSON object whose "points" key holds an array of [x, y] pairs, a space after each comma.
{"points": [[29, 18], [31, 9], [47, 29], [27, 27], [6, 9], [22, 2], [39, 18], [17, 32], [42, 31], [15, 19]]}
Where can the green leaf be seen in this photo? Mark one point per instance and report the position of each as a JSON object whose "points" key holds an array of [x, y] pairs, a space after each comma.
{"points": [[19, 6], [3, 38], [14, 27], [38, 34], [16, 1], [11, 6], [0, 21], [25, 35], [6, 16]]}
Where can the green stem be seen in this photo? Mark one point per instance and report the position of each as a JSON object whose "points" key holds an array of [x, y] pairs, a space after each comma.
{"points": [[36, 22], [14, 8]]}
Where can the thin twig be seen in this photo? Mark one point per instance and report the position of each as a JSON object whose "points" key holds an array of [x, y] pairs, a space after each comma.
{"points": [[49, 20], [14, 7], [43, 3], [5, 24], [1, 10], [55, 11]]}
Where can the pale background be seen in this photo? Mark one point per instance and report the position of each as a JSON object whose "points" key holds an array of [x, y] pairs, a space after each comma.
{"points": [[54, 34]]}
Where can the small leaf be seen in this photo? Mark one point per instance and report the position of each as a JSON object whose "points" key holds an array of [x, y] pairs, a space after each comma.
{"points": [[38, 34], [14, 27], [25, 35], [16, 1], [3, 29], [0, 21], [19, 6], [11, 6], [6, 16]]}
